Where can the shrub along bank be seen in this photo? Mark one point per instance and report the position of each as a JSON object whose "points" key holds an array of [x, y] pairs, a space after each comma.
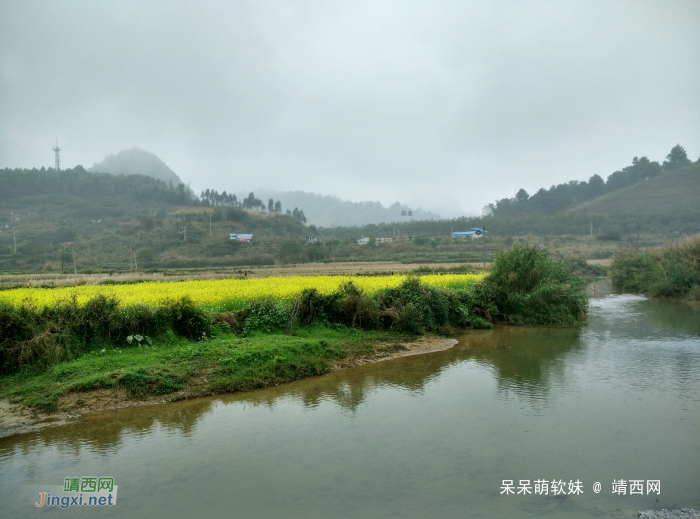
{"points": [[672, 271], [526, 287]]}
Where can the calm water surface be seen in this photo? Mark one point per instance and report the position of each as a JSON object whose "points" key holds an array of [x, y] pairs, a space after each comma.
{"points": [[425, 436]]}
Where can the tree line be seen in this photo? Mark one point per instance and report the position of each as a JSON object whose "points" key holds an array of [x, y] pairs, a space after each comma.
{"points": [[15, 183], [214, 198], [563, 196]]}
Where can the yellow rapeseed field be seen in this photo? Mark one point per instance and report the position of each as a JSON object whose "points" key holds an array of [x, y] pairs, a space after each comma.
{"points": [[222, 294]]}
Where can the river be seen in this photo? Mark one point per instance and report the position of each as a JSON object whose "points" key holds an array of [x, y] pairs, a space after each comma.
{"points": [[430, 435]]}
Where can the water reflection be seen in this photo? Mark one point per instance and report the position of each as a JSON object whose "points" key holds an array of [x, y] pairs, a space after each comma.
{"points": [[527, 362], [676, 317]]}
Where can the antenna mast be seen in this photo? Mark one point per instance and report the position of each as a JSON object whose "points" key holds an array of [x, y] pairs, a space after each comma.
{"points": [[57, 152]]}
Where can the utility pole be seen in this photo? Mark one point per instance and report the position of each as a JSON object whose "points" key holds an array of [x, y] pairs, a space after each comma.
{"points": [[63, 248], [136, 265], [75, 269], [14, 240], [209, 225], [131, 258], [591, 229]]}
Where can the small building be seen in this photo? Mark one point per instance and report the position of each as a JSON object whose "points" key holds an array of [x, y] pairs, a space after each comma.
{"points": [[246, 238], [365, 240]]}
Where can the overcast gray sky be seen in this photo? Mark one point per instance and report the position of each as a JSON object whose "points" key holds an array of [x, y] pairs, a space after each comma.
{"points": [[447, 105]]}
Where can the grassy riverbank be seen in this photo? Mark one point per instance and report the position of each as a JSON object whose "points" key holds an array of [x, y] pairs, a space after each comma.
{"points": [[672, 271], [176, 368]]}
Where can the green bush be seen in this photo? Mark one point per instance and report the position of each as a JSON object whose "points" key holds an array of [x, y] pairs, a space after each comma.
{"points": [[410, 307], [185, 318], [30, 336], [265, 315], [530, 288], [316, 307], [357, 310], [673, 271], [634, 271], [419, 307]]}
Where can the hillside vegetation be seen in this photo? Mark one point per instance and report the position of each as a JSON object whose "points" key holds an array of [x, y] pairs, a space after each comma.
{"points": [[675, 191], [562, 197]]}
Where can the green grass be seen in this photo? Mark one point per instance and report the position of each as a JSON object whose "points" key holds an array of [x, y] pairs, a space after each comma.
{"points": [[182, 368]]}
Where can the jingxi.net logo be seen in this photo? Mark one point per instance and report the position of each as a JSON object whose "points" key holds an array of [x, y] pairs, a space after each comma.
{"points": [[84, 491]]}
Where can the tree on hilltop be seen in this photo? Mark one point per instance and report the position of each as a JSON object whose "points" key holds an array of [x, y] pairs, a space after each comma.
{"points": [[677, 158]]}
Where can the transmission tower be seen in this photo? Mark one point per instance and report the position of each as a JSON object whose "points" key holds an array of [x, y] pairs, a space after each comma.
{"points": [[57, 152]]}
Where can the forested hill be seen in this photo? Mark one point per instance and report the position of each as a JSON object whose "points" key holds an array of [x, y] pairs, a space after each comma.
{"points": [[97, 195], [563, 197], [19, 183]]}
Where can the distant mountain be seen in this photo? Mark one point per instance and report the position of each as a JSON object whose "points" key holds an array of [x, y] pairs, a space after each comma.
{"points": [[137, 161], [331, 211], [670, 192]]}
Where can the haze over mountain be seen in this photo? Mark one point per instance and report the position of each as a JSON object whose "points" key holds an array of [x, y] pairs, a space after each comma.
{"points": [[322, 210], [332, 211], [135, 161]]}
